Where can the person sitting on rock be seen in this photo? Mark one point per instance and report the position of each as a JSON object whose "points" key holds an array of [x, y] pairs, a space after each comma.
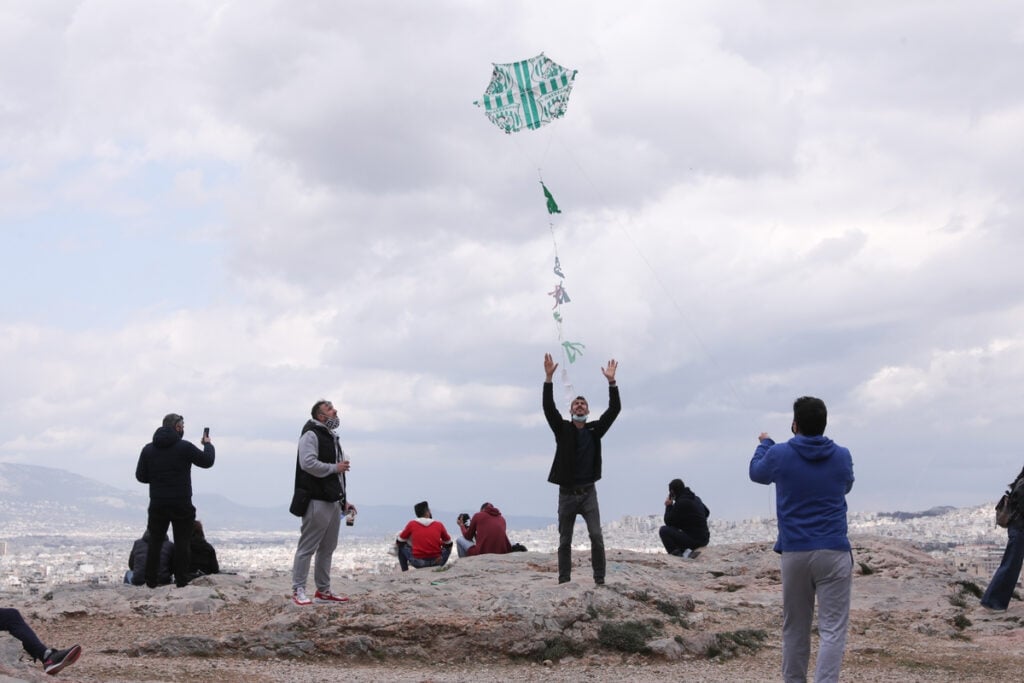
{"points": [[136, 574], [483, 534], [686, 521], [53, 660], [424, 542], [203, 558]]}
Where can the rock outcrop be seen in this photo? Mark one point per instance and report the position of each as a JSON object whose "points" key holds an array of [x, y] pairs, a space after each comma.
{"points": [[723, 608]]}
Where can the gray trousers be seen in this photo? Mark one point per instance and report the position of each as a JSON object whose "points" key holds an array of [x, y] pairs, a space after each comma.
{"points": [[827, 575], [319, 534], [583, 502]]}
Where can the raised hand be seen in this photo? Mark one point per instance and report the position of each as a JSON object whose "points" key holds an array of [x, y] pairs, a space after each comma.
{"points": [[549, 367], [609, 372]]}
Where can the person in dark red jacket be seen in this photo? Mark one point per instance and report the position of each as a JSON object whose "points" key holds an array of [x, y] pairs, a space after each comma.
{"points": [[484, 534]]}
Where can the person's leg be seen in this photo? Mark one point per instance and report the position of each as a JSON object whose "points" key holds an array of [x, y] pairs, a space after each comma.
{"points": [[446, 552], [566, 521], [310, 535], [1000, 588], [325, 551], [677, 541], [182, 524], [404, 555], [591, 512], [157, 527], [797, 614], [463, 545], [833, 578], [12, 622], [668, 539]]}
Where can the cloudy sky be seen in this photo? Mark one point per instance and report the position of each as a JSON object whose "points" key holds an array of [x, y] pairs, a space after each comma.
{"points": [[230, 209]]}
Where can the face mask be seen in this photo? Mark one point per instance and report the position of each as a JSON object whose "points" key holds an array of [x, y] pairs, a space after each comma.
{"points": [[332, 423], [580, 418]]}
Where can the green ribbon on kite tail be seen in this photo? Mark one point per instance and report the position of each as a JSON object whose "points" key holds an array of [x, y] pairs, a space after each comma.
{"points": [[552, 206], [573, 349], [527, 94]]}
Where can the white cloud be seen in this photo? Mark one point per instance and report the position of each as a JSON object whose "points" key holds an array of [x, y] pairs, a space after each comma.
{"points": [[232, 209]]}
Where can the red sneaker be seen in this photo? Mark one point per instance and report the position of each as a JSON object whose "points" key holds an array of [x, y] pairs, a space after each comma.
{"points": [[328, 597]]}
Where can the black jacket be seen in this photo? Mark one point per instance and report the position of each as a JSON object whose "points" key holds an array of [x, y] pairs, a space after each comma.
{"points": [[203, 557], [137, 561], [327, 488], [566, 432], [689, 513], [166, 465]]}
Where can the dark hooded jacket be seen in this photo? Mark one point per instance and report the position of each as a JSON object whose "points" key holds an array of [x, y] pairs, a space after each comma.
{"points": [[689, 513], [137, 561], [812, 475], [166, 465], [203, 557], [488, 528]]}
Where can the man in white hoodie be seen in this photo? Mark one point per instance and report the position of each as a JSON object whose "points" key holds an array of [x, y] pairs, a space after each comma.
{"points": [[424, 542]]}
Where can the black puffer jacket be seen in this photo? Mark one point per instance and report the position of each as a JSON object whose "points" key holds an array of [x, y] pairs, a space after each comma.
{"points": [[166, 465]]}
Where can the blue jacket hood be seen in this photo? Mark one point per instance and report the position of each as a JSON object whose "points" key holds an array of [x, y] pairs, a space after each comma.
{"points": [[813, 447]]}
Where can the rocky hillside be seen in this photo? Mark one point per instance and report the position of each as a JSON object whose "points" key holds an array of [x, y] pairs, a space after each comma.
{"points": [[505, 618]]}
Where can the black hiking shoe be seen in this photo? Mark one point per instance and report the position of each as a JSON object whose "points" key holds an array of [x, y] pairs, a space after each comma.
{"points": [[55, 660]]}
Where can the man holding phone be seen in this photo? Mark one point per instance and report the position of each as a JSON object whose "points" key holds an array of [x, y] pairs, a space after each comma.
{"points": [[166, 465]]}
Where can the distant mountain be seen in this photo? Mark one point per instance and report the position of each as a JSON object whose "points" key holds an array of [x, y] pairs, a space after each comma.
{"points": [[45, 500]]}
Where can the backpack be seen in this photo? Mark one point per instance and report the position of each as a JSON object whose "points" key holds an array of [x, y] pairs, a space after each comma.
{"points": [[1011, 505]]}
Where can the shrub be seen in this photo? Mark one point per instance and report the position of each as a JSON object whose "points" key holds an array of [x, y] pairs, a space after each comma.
{"points": [[626, 636]]}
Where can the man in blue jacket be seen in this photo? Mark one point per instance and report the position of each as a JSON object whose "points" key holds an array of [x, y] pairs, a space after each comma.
{"points": [[577, 465], [812, 476], [166, 465]]}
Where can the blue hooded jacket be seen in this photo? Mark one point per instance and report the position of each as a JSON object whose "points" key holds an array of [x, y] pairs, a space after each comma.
{"points": [[812, 475]]}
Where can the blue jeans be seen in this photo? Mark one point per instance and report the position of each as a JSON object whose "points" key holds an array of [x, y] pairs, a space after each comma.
{"points": [[1000, 588], [406, 559]]}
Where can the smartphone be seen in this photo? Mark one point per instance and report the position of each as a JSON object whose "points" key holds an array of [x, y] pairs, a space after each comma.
{"points": [[206, 432]]}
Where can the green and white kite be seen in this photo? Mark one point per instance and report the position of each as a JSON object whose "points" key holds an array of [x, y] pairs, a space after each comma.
{"points": [[527, 94]]}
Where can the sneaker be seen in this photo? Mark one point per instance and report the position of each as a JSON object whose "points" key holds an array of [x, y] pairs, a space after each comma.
{"points": [[55, 660], [328, 597], [599, 580], [299, 597], [694, 554]]}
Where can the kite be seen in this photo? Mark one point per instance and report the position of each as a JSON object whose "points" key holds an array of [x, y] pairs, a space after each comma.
{"points": [[527, 95], [530, 94]]}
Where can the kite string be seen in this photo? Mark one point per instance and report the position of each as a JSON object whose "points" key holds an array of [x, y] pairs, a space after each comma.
{"points": [[661, 283]]}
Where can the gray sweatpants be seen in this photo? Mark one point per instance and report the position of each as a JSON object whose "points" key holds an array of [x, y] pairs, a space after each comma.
{"points": [[319, 534], [827, 575]]}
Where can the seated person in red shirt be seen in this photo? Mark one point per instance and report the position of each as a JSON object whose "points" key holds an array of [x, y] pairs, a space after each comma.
{"points": [[483, 534], [423, 542]]}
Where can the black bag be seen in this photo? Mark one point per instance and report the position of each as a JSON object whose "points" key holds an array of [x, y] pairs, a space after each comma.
{"points": [[300, 501], [518, 548], [1011, 505]]}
